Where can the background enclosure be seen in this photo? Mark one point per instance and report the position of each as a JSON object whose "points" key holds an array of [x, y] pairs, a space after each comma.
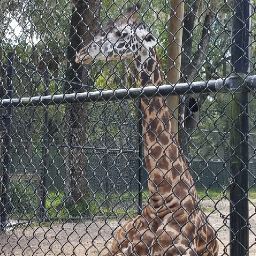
{"points": [[71, 171]]}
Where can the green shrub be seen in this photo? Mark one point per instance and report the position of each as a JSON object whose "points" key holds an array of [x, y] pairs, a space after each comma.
{"points": [[23, 199]]}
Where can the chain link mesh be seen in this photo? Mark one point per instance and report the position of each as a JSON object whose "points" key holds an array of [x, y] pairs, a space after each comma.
{"points": [[72, 173]]}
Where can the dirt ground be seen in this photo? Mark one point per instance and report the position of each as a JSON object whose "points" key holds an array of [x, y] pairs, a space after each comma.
{"points": [[90, 237]]}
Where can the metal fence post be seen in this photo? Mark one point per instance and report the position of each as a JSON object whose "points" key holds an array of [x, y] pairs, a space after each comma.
{"points": [[4, 200], [140, 157], [239, 230], [105, 160], [45, 154]]}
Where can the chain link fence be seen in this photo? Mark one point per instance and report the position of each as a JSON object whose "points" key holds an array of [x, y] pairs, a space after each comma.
{"points": [[127, 128]]}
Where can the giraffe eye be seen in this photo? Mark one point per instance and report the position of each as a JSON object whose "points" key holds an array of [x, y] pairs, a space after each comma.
{"points": [[124, 35], [118, 33]]}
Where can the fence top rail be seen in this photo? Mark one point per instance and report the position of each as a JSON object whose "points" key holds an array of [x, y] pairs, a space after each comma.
{"points": [[223, 85]]}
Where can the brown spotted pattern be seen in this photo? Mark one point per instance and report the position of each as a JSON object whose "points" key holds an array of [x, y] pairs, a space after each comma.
{"points": [[171, 223]]}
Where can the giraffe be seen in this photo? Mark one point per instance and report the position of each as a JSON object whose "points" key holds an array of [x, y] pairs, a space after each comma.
{"points": [[172, 222]]}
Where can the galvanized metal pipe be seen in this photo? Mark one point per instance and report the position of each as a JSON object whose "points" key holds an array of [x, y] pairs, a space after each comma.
{"points": [[6, 147], [140, 157], [219, 85], [45, 155]]}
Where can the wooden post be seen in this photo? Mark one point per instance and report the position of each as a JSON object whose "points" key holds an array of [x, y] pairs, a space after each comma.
{"points": [[174, 55]]}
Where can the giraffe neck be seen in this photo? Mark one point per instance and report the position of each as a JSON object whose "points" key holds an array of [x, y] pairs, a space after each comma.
{"points": [[148, 69], [169, 179]]}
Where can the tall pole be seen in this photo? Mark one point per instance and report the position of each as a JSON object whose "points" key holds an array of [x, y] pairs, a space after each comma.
{"points": [[4, 199], [239, 213], [174, 56], [45, 153], [140, 158]]}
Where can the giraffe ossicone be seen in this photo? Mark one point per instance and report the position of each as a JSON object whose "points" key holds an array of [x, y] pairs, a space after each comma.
{"points": [[172, 223]]}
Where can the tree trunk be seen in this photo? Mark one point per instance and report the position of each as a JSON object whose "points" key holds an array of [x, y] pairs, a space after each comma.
{"points": [[191, 70], [189, 109], [84, 23], [187, 38]]}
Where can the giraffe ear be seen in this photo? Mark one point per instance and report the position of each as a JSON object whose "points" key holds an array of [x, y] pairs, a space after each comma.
{"points": [[149, 40], [146, 37]]}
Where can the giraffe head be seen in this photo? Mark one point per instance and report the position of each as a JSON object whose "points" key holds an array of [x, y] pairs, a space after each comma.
{"points": [[120, 39]]}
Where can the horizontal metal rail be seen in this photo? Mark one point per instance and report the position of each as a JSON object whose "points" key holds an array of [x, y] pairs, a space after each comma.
{"points": [[223, 85], [100, 149]]}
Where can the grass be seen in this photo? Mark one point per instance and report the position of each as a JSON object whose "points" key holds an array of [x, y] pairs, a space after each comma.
{"points": [[111, 205], [213, 194], [96, 205], [118, 205], [252, 194], [217, 194]]}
